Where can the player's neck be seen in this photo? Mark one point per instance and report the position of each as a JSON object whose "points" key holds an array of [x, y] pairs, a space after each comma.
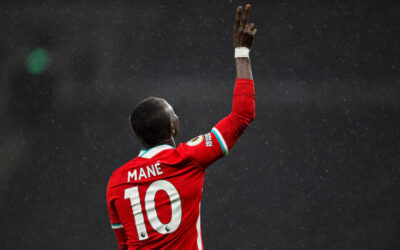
{"points": [[170, 141]]}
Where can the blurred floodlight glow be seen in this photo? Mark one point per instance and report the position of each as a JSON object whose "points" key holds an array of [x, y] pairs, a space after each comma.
{"points": [[37, 61]]}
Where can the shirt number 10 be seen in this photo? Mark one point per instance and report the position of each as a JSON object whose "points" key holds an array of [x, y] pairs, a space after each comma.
{"points": [[176, 208]]}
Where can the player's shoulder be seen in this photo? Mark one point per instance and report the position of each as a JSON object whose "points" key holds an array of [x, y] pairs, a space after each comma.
{"points": [[116, 175], [200, 141], [195, 141]]}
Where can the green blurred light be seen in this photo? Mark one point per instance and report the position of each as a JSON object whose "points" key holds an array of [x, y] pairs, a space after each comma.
{"points": [[37, 61]]}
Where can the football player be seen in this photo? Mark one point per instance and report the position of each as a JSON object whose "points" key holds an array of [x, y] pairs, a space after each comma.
{"points": [[154, 199]]}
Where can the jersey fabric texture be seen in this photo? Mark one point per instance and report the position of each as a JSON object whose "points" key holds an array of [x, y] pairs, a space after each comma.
{"points": [[154, 199]]}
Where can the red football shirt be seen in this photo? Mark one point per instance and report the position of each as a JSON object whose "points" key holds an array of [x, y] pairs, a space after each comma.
{"points": [[154, 200], [156, 196]]}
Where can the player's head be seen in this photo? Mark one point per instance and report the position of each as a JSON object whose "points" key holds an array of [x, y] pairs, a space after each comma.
{"points": [[153, 120]]}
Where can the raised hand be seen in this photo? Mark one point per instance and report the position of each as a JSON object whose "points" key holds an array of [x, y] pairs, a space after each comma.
{"points": [[243, 32]]}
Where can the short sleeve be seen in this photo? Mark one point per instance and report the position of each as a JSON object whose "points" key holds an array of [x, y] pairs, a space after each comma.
{"points": [[204, 149]]}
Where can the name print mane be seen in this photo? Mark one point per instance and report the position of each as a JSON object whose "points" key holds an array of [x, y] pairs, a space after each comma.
{"points": [[145, 172]]}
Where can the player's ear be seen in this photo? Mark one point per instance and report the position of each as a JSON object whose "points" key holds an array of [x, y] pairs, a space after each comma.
{"points": [[175, 126], [174, 132]]}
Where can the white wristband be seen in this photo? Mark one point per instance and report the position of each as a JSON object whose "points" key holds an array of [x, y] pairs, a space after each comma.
{"points": [[242, 52]]}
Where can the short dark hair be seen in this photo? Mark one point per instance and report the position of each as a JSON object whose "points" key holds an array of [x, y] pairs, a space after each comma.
{"points": [[151, 121]]}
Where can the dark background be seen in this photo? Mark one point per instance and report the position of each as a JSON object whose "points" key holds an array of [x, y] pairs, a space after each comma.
{"points": [[317, 169]]}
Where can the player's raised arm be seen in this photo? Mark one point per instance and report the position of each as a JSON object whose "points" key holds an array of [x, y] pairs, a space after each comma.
{"points": [[229, 129], [224, 135]]}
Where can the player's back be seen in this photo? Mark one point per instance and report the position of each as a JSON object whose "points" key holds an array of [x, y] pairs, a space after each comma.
{"points": [[156, 198]]}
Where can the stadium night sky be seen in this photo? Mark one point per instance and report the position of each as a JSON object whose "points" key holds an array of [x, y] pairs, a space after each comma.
{"points": [[317, 169]]}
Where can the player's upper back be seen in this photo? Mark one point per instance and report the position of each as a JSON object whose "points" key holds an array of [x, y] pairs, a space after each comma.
{"points": [[156, 196]]}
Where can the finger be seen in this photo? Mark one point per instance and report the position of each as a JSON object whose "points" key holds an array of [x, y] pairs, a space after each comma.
{"points": [[246, 14], [249, 27], [238, 16], [253, 32]]}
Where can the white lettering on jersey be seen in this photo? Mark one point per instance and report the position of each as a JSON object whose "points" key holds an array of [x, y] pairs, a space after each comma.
{"points": [[132, 175], [145, 172], [142, 174], [157, 165], [151, 171], [208, 140]]}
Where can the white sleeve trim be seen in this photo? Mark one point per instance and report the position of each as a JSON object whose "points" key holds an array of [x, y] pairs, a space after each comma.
{"points": [[198, 228], [221, 141], [117, 226]]}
